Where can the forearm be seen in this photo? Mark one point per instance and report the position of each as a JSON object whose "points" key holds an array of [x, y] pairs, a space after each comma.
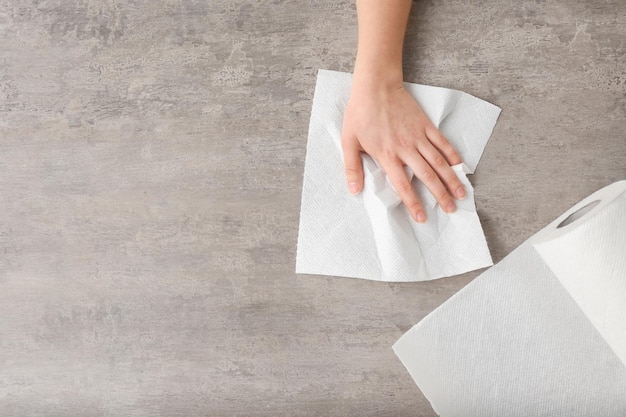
{"points": [[382, 24]]}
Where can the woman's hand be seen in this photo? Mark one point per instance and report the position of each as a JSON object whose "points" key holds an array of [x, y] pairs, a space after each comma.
{"points": [[384, 121]]}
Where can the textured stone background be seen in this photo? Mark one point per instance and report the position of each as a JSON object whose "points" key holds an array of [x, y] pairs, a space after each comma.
{"points": [[151, 158]]}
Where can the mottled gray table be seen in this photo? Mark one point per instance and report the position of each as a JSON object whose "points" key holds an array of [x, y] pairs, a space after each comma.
{"points": [[151, 159]]}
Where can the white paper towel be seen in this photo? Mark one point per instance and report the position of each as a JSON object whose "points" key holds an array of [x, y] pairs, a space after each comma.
{"points": [[588, 256], [372, 235], [514, 342]]}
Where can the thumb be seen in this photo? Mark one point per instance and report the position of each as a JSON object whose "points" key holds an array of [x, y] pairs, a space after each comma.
{"points": [[353, 163]]}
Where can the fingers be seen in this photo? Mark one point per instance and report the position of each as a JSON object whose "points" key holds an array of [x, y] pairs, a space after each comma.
{"points": [[445, 174], [396, 132], [442, 144], [352, 163], [427, 163], [401, 183], [426, 173]]}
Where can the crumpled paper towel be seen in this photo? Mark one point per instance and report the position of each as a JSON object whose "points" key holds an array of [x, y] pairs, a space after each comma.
{"points": [[372, 235], [539, 334]]}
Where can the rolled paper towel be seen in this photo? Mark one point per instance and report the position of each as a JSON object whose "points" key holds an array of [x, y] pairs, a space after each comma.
{"points": [[542, 332], [586, 250]]}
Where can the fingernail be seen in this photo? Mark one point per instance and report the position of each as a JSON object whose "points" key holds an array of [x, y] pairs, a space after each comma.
{"points": [[421, 217], [460, 193], [353, 187], [450, 208]]}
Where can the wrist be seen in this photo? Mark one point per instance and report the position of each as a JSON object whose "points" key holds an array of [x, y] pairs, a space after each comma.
{"points": [[371, 77]]}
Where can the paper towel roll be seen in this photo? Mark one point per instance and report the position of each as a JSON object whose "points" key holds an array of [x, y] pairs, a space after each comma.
{"points": [[586, 250], [540, 333]]}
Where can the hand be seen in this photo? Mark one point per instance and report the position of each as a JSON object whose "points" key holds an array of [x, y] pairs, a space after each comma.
{"points": [[384, 121]]}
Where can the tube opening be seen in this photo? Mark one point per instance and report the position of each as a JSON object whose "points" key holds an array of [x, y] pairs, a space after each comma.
{"points": [[578, 214]]}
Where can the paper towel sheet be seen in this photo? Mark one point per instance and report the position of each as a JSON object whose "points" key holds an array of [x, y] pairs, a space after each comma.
{"points": [[517, 341], [372, 235]]}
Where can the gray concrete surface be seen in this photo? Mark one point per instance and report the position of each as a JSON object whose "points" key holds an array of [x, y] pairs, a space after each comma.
{"points": [[151, 158]]}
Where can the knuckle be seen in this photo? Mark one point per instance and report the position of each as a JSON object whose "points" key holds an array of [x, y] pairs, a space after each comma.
{"points": [[404, 187], [439, 161], [454, 185], [446, 146], [413, 205], [428, 176], [438, 136], [404, 143], [448, 149], [388, 154], [444, 198], [454, 181]]}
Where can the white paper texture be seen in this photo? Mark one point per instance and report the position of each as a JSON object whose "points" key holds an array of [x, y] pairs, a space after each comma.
{"points": [[372, 235], [588, 257], [517, 342]]}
